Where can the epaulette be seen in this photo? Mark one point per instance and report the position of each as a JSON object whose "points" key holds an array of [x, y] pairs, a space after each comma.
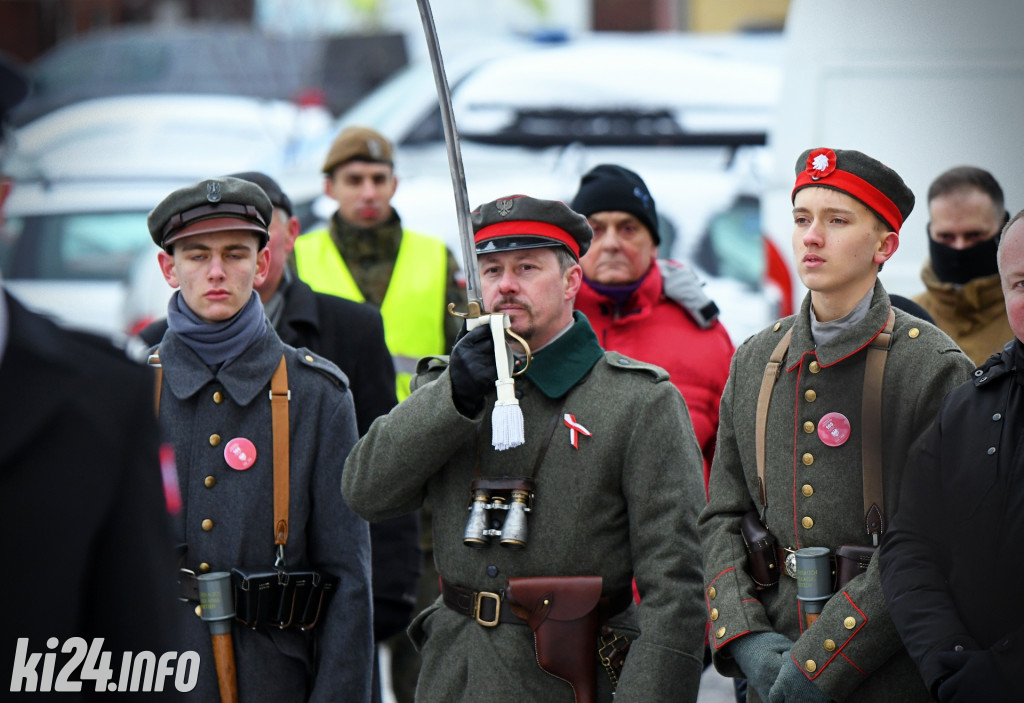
{"points": [[324, 366], [618, 361], [431, 363], [428, 369]]}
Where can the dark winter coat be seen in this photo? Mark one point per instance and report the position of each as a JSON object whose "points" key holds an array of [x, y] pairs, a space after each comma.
{"points": [[951, 565], [89, 550], [351, 335], [227, 518]]}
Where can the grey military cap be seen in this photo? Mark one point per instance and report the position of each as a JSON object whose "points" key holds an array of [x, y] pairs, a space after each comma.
{"points": [[211, 205], [521, 222]]}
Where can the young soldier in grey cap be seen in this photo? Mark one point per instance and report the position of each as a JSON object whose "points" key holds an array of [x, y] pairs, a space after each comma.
{"points": [[220, 358], [817, 448], [610, 469]]}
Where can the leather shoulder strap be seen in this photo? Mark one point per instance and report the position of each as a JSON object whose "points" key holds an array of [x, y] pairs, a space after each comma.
{"points": [[871, 424], [771, 373], [279, 397]]}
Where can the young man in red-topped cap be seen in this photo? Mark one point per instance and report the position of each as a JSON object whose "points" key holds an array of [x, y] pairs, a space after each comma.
{"points": [[826, 438]]}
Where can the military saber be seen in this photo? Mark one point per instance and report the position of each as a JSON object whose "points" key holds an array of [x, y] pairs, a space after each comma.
{"points": [[507, 417]]}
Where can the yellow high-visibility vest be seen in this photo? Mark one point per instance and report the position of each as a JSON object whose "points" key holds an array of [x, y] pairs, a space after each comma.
{"points": [[414, 304]]}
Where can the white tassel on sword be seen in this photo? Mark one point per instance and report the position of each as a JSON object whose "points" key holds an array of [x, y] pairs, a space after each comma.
{"points": [[507, 417]]}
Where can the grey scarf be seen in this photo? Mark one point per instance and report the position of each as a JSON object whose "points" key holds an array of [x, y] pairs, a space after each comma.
{"points": [[217, 343]]}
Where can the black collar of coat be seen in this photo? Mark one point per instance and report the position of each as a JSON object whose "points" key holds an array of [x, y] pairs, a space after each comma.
{"points": [[1009, 360]]}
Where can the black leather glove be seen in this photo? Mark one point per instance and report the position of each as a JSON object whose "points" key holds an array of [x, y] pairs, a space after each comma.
{"points": [[975, 678], [472, 370]]}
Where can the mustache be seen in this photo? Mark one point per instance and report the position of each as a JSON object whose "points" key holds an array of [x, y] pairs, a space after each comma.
{"points": [[510, 301]]}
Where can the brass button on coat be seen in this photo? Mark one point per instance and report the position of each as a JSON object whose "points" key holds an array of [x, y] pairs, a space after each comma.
{"points": [[309, 358], [913, 333], [207, 525], [810, 396], [720, 633], [807, 489], [712, 593], [830, 646], [199, 611], [808, 459], [814, 367], [204, 568], [209, 482], [218, 397], [776, 327], [214, 440], [850, 623], [807, 522], [808, 427], [714, 614], [810, 665]]}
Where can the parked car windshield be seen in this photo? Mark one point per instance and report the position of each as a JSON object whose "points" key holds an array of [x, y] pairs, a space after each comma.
{"points": [[77, 246]]}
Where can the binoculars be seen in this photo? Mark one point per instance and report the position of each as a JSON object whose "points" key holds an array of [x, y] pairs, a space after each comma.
{"points": [[498, 508]]}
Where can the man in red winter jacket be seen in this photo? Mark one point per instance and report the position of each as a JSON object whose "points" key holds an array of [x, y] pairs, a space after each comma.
{"points": [[653, 313]]}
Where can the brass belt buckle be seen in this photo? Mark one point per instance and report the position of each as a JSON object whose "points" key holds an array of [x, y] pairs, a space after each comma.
{"points": [[497, 608]]}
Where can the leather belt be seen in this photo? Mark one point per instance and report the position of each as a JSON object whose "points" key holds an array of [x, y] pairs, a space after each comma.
{"points": [[486, 607], [188, 586], [489, 608]]}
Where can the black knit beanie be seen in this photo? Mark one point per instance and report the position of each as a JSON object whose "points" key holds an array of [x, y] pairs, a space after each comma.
{"points": [[608, 188]]}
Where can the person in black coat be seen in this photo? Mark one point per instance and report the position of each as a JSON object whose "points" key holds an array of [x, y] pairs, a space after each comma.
{"points": [[951, 567], [351, 335], [88, 550]]}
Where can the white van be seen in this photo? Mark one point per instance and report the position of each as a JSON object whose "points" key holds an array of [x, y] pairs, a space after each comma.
{"points": [[922, 85]]}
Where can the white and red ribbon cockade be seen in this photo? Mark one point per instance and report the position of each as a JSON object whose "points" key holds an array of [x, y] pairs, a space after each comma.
{"points": [[575, 430]]}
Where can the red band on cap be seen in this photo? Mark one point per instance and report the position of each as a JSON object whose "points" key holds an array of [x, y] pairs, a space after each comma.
{"points": [[859, 189], [528, 228]]}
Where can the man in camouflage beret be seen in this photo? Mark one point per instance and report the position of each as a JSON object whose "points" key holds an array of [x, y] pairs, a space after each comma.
{"points": [[847, 212], [218, 360], [615, 472]]}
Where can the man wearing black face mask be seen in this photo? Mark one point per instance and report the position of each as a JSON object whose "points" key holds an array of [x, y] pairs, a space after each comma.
{"points": [[966, 213]]}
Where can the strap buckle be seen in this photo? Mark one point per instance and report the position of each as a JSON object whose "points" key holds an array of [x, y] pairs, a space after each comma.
{"points": [[497, 608]]}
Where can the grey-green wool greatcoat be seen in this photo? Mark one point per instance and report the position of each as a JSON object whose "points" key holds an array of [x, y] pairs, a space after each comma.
{"points": [[200, 412], [624, 503], [815, 494]]}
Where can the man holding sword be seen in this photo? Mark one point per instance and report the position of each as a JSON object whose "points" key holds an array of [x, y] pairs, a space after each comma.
{"points": [[561, 523]]}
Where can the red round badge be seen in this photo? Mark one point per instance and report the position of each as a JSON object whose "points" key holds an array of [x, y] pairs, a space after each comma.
{"points": [[240, 453], [834, 429]]}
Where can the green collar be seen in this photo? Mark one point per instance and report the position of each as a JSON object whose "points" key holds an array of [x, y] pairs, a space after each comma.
{"points": [[561, 365]]}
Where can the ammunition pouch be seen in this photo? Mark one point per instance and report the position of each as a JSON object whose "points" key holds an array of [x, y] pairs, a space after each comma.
{"points": [[851, 560], [562, 612], [281, 598], [762, 561]]}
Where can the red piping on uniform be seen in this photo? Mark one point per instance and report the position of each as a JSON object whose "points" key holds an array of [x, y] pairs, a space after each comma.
{"points": [[796, 422], [855, 351], [859, 670]]}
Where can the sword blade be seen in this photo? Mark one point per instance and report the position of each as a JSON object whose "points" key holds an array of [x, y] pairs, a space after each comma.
{"points": [[451, 140]]}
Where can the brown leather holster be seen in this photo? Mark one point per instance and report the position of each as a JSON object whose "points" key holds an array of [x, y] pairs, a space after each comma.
{"points": [[562, 612]]}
